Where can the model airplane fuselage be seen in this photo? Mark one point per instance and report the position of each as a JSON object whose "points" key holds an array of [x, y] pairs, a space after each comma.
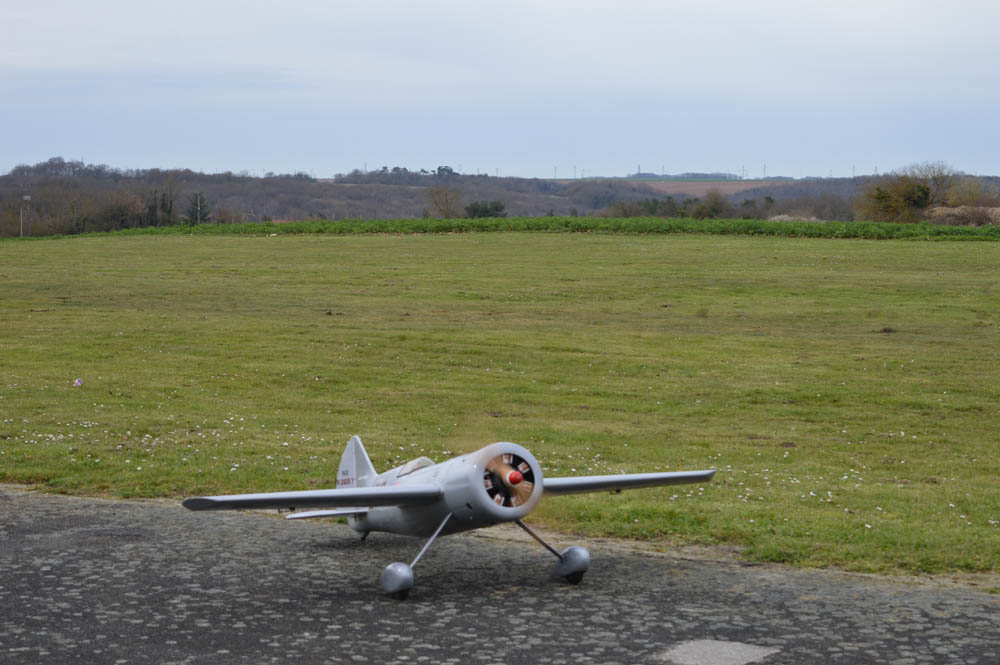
{"points": [[502, 482]]}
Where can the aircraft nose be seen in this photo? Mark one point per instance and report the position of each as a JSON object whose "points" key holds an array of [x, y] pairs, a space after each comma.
{"points": [[514, 477]]}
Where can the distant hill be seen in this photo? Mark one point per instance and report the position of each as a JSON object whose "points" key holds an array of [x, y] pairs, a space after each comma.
{"points": [[843, 187], [684, 176], [698, 188]]}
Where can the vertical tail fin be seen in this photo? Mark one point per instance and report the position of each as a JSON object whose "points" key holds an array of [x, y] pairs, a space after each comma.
{"points": [[356, 469]]}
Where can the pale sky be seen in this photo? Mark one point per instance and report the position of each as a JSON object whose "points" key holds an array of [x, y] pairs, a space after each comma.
{"points": [[520, 88]]}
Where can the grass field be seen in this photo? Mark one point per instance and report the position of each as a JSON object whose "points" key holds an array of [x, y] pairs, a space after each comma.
{"points": [[846, 389]]}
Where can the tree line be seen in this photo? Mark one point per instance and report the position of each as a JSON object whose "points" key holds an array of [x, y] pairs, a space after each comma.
{"points": [[72, 197], [65, 197]]}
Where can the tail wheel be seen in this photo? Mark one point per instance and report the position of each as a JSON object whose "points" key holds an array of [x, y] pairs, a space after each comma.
{"points": [[509, 480]]}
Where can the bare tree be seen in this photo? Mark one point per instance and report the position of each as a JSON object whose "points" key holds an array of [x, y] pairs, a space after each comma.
{"points": [[971, 191], [444, 201], [938, 176]]}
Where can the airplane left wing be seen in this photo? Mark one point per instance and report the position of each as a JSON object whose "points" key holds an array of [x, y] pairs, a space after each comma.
{"points": [[406, 495], [580, 484]]}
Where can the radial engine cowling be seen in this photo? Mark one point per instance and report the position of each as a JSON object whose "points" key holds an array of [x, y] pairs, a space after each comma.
{"points": [[499, 483]]}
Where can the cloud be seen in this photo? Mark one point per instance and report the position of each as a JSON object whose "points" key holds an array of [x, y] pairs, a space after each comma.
{"points": [[556, 78]]}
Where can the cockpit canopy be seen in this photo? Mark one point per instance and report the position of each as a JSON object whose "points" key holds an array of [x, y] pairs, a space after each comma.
{"points": [[413, 465]]}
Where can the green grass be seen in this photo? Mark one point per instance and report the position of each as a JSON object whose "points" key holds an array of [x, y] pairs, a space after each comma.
{"points": [[846, 390]]}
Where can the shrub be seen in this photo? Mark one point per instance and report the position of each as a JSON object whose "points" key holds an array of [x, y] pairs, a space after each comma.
{"points": [[713, 206], [485, 209], [898, 198]]}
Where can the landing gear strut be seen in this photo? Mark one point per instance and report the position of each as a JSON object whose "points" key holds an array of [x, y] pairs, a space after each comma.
{"points": [[397, 578], [573, 561]]}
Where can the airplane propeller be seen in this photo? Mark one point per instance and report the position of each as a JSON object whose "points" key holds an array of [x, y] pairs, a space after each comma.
{"points": [[509, 480]]}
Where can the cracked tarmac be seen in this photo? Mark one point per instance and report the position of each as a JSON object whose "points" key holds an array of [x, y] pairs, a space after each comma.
{"points": [[95, 581]]}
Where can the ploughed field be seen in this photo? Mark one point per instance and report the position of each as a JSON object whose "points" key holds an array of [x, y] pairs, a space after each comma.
{"points": [[846, 390]]}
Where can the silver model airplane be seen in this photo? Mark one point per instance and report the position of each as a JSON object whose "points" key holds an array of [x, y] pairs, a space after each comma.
{"points": [[499, 483]]}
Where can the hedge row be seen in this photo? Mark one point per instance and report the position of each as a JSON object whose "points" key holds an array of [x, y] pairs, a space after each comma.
{"points": [[632, 225]]}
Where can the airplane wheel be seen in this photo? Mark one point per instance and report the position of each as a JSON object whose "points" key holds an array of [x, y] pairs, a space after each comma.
{"points": [[573, 564], [397, 580]]}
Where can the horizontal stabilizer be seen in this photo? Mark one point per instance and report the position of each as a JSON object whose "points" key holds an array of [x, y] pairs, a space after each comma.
{"points": [[407, 495], [579, 484], [335, 512]]}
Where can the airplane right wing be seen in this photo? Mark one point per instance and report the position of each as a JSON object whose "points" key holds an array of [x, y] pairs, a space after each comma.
{"points": [[403, 495], [580, 484]]}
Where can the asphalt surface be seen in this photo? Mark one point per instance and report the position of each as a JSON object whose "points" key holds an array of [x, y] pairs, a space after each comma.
{"points": [[94, 581]]}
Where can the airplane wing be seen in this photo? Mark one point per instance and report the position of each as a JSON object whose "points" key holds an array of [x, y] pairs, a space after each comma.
{"points": [[579, 484], [406, 495]]}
